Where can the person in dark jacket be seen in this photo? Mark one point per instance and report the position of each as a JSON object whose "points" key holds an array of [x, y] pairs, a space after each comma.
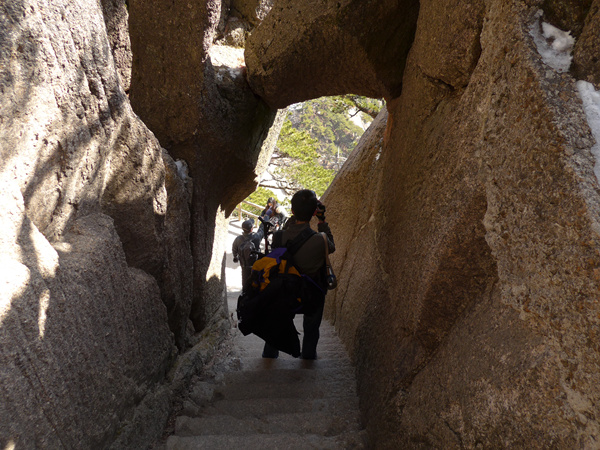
{"points": [[241, 254], [310, 260], [275, 213]]}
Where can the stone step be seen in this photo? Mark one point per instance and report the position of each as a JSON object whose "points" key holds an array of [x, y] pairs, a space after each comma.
{"points": [[302, 389], [254, 363], [319, 423], [262, 407], [324, 349], [322, 354], [323, 338], [204, 392], [324, 345], [325, 332], [260, 403], [295, 375], [355, 440]]}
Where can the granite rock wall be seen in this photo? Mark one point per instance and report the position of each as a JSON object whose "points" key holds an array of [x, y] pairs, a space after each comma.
{"points": [[106, 229], [466, 222], [195, 98]]}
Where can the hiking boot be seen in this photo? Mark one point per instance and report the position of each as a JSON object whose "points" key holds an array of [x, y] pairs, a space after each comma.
{"points": [[270, 352]]}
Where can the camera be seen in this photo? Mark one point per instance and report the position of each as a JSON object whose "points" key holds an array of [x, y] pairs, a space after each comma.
{"points": [[320, 211], [267, 226]]}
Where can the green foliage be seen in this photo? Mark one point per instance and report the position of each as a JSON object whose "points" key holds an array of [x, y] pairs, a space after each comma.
{"points": [[259, 197], [310, 175], [333, 131], [369, 106], [302, 168], [296, 144], [316, 139], [329, 121]]}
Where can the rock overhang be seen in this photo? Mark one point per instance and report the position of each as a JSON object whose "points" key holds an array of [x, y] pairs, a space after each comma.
{"points": [[314, 49]]}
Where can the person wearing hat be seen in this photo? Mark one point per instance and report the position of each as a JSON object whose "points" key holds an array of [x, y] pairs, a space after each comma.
{"points": [[245, 249]]}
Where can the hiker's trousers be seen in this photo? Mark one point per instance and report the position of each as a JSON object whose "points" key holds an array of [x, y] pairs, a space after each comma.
{"points": [[310, 324]]}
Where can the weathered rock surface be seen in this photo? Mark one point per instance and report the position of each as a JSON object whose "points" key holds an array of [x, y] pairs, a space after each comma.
{"points": [[245, 401], [81, 334], [84, 328], [586, 64], [97, 267], [308, 49], [243, 16], [357, 230], [72, 142], [468, 246], [117, 28], [202, 110], [251, 11]]}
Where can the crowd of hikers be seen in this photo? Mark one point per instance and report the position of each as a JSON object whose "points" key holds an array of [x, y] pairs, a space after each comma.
{"points": [[287, 276]]}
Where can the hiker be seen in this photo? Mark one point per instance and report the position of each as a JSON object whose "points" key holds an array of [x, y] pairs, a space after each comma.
{"points": [[310, 260], [245, 249], [267, 209], [275, 213]]}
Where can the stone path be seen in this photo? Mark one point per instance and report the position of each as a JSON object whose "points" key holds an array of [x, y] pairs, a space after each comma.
{"points": [[248, 402]]}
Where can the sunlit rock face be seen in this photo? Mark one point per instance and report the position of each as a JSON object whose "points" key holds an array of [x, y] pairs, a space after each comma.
{"points": [[83, 335], [89, 236], [467, 230], [97, 271], [72, 143]]}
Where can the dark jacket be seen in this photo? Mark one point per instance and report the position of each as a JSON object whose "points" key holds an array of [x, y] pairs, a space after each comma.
{"points": [[238, 241]]}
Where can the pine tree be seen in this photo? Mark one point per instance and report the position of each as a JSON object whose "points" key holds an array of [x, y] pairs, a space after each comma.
{"points": [[315, 141]]}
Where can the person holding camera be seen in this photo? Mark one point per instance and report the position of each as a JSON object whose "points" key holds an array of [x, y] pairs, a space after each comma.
{"points": [[310, 260], [275, 213]]}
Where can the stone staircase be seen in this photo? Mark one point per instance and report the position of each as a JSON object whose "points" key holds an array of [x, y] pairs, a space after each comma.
{"points": [[255, 403]]}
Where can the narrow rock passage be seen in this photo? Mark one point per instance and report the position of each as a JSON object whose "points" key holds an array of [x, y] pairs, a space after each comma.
{"points": [[256, 403]]}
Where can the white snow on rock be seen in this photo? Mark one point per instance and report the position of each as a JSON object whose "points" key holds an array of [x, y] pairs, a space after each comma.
{"points": [[591, 105], [227, 61], [223, 55], [182, 169], [554, 46]]}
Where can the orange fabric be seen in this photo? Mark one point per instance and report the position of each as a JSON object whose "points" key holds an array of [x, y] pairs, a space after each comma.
{"points": [[265, 265]]}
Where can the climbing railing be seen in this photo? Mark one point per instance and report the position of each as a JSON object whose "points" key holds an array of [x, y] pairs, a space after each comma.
{"points": [[241, 210]]}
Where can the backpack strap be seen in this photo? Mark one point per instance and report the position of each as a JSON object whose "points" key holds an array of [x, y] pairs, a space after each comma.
{"points": [[294, 245]]}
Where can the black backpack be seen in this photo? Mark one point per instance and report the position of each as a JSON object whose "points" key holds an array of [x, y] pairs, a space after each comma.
{"points": [[278, 292], [248, 253]]}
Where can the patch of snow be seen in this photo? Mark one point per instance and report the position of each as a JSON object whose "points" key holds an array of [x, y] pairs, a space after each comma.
{"points": [[182, 169], [591, 105], [226, 56], [554, 45], [235, 72], [378, 155]]}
